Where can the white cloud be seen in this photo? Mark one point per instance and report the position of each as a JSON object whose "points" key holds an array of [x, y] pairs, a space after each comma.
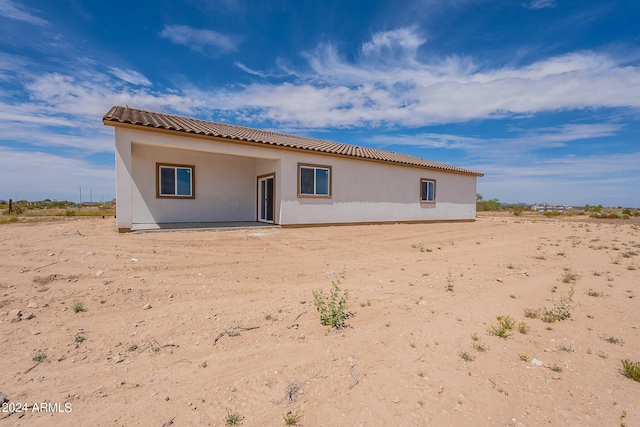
{"points": [[204, 41], [541, 4], [10, 9], [399, 88], [521, 146], [130, 76], [401, 44]]}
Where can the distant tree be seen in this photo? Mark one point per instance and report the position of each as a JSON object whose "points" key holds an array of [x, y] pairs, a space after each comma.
{"points": [[488, 205], [493, 204], [479, 197]]}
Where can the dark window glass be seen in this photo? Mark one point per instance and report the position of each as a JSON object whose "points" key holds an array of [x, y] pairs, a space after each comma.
{"points": [[306, 181], [269, 201], [167, 181]]}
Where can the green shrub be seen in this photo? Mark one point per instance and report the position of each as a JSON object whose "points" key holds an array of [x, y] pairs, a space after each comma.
{"points": [[78, 307], [233, 419], [292, 419], [517, 209], [333, 308], [70, 212], [561, 310], [631, 369], [39, 357], [503, 329]]}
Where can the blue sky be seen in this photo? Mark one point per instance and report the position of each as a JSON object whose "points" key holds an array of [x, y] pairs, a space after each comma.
{"points": [[542, 96]]}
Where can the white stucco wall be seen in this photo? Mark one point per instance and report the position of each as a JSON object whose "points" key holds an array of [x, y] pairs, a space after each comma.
{"points": [[226, 183], [366, 191], [224, 187]]}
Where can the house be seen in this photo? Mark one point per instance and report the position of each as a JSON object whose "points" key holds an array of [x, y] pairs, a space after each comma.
{"points": [[172, 169], [545, 207]]}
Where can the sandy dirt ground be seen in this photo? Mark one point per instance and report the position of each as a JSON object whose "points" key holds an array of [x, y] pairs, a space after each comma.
{"points": [[416, 350]]}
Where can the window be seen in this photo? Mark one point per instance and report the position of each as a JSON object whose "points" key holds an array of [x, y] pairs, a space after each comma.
{"points": [[427, 191], [314, 181], [175, 181]]}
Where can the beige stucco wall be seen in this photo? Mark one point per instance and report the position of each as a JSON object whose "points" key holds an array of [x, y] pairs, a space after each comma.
{"points": [[224, 187], [365, 191], [226, 184]]}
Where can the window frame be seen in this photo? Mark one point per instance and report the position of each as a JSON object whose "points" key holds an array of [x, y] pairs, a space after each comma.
{"points": [[427, 201], [315, 167], [175, 167]]}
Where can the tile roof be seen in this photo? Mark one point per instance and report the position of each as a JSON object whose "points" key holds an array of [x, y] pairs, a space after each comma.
{"points": [[127, 115]]}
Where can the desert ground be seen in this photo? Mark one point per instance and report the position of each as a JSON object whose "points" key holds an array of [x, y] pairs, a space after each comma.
{"points": [[212, 327]]}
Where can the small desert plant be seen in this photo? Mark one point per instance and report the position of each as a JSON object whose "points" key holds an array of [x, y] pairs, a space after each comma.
{"points": [[39, 357], [503, 329], [133, 347], [631, 369], [467, 357], [613, 340], [568, 349], [555, 368], [622, 416], [421, 247], [80, 338], [532, 313], [333, 308], [569, 276], [480, 347], [292, 419], [561, 310], [449, 286], [523, 328], [524, 357], [233, 419], [593, 293], [475, 337], [78, 307]]}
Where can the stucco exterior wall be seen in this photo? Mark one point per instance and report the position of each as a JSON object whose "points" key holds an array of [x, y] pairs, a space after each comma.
{"points": [[224, 187], [365, 191], [226, 184]]}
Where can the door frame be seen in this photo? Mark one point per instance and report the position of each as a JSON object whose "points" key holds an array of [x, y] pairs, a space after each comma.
{"points": [[260, 199]]}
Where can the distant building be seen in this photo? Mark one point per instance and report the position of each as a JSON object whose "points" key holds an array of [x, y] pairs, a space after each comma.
{"points": [[546, 207]]}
